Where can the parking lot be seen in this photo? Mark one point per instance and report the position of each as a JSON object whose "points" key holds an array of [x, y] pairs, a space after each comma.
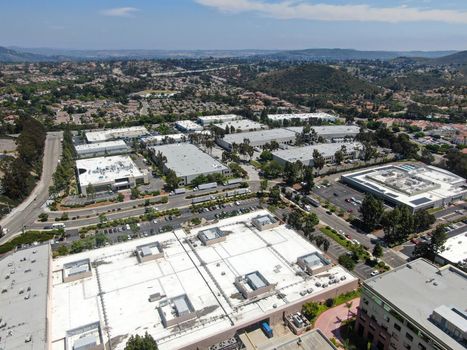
{"points": [[166, 223], [342, 196]]}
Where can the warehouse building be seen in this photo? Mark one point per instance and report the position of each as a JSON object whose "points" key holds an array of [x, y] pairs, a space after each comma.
{"points": [[242, 125], [188, 161], [116, 134], [188, 298], [98, 149], [335, 133], [455, 250], [215, 119], [303, 117], [416, 185], [109, 173], [188, 126], [415, 306], [258, 138], [351, 150], [155, 140]]}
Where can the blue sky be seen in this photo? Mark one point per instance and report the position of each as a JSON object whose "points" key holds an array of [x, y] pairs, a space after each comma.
{"points": [[235, 24]]}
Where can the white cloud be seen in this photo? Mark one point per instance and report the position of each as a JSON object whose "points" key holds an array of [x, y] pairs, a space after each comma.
{"points": [[120, 12], [289, 9]]}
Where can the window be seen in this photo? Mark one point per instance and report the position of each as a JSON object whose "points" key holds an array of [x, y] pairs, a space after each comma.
{"points": [[412, 327], [409, 336], [407, 346], [421, 346], [397, 327]]}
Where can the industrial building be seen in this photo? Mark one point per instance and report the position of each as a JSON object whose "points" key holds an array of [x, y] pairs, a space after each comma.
{"points": [[25, 286], [415, 306], [189, 298], [258, 138], [241, 125], [109, 173], [416, 185], [302, 117], [188, 161], [351, 150], [455, 250], [154, 140], [98, 149], [116, 134], [335, 133], [188, 126], [214, 119]]}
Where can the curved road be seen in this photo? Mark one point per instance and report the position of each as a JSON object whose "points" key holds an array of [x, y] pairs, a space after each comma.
{"points": [[26, 213]]}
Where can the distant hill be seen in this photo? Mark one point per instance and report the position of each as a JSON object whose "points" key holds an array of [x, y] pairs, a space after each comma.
{"points": [[9, 55], [350, 54], [458, 58], [311, 79]]}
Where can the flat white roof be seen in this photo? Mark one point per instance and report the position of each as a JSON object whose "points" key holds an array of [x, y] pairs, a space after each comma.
{"points": [[157, 139], [23, 298], [188, 160], [330, 130], [455, 248], [102, 170], [218, 118], [100, 146], [206, 274], [110, 134], [302, 116], [410, 184], [305, 154], [188, 125], [261, 136], [242, 124]]}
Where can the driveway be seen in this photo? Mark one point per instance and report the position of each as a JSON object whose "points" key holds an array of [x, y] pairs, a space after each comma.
{"points": [[330, 321]]}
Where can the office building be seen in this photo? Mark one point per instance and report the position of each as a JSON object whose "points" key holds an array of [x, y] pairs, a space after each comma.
{"points": [[188, 126], [188, 161], [416, 185], [215, 119], [351, 150], [415, 306], [303, 117], [98, 149], [335, 133], [116, 134], [109, 173], [258, 138]]}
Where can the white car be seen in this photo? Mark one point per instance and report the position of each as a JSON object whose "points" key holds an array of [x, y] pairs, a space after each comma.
{"points": [[374, 273]]}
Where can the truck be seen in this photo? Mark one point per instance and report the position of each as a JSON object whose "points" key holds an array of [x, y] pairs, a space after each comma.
{"points": [[181, 190], [267, 329], [207, 186], [233, 181], [312, 201]]}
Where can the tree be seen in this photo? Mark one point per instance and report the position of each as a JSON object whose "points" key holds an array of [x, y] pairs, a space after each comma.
{"points": [[137, 342], [423, 220], [339, 156], [369, 151], [427, 157], [308, 179], [310, 310], [272, 169], [265, 156], [347, 262], [429, 250], [264, 185], [378, 250], [171, 180], [372, 210], [91, 191], [275, 195], [398, 224], [318, 160], [326, 245], [309, 222]]}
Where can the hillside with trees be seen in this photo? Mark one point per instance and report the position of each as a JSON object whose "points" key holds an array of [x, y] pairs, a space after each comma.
{"points": [[311, 79]]}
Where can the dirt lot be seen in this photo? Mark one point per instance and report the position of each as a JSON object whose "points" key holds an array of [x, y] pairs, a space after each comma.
{"points": [[7, 146]]}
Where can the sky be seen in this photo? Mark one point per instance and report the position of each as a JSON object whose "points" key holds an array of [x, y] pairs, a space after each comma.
{"points": [[235, 24]]}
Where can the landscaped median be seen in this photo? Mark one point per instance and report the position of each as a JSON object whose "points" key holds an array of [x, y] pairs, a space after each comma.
{"points": [[29, 237]]}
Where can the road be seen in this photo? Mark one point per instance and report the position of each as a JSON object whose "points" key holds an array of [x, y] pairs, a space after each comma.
{"points": [[26, 213]]}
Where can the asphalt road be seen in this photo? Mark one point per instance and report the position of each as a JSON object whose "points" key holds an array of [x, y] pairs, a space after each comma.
{"points": [[26, 213]]}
